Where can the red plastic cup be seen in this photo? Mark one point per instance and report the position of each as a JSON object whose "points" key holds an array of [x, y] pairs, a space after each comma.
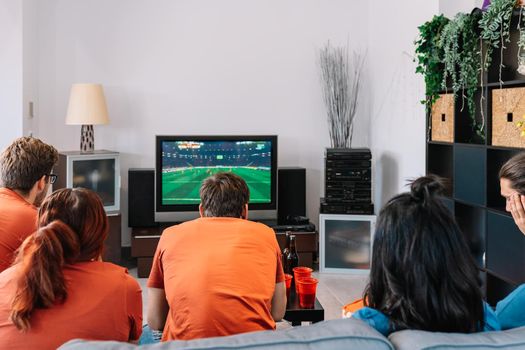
{"points": [[306, 288], [301, 272], [288, 281]]}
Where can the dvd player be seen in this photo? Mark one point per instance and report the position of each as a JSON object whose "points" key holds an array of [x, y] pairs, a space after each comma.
{"points": [[294, 228]]}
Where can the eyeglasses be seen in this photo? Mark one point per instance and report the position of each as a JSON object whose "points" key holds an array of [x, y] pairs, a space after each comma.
{"points": [[52, 178]]}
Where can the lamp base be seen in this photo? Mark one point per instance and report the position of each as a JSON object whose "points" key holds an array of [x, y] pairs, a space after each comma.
{"points": [[87, 139]]}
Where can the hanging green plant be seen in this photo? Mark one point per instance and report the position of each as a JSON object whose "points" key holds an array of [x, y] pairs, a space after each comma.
{"points": [[521, 44], [495, 30], [460, 43], [429, 56]]}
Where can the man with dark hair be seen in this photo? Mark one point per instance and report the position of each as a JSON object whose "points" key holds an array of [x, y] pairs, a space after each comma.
{"points": [[25, 175], [512, 183], [217, 275]]}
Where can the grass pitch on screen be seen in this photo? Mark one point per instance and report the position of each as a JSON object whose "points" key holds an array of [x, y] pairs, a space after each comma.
{"points": [[182, 186]]}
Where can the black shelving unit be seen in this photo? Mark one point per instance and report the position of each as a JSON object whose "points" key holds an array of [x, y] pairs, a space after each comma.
{"points": [[471, 166]]}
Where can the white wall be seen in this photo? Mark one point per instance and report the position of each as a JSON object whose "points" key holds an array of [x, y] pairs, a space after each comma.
{"points": [[10, 71], [234, 67], [451, 7], [196, 67], [397, 118], [30, 65]]}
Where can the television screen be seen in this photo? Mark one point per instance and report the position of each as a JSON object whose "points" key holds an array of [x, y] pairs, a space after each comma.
{"points": [[186, 163]]}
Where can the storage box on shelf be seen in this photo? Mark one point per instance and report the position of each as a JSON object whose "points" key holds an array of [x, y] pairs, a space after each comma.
{"points": [[443, 118], [508, 107]]}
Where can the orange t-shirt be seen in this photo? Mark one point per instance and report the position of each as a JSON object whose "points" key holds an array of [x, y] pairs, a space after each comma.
{"points": [[103, 303], [17, 221], [219, 275]]}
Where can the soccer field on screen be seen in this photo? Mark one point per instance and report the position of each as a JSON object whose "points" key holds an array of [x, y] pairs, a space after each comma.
{"points": [[181, 186]]}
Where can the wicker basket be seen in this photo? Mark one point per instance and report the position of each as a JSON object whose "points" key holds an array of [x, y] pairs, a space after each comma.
{"points": [[443, 119], [508, 107]]}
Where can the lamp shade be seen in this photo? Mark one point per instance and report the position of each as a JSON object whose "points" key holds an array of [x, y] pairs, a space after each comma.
{"points": [[87, 105]]}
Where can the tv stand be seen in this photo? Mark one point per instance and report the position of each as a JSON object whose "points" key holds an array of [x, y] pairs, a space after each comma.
{"points": [[144, 241]]}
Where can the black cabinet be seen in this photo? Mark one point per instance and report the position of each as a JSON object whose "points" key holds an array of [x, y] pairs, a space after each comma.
{"points": [[471, 165], [506, 256]]}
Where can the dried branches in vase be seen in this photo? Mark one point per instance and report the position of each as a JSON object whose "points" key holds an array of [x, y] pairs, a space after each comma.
{"points": [[340, 79]]}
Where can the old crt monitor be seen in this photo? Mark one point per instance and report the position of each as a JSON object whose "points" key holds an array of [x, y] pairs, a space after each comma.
{"points": [[183, 162], [98, 171]]}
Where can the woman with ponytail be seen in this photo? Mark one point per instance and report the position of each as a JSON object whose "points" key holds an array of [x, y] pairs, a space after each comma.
{"points": [[59, 288], [423, 275]]}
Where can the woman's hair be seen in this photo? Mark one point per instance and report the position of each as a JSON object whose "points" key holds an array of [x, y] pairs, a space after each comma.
{"points": [[514, 171], [72, 227], [423, 275]]}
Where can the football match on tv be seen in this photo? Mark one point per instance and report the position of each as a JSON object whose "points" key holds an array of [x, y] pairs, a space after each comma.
{"points": [[185, 164]]}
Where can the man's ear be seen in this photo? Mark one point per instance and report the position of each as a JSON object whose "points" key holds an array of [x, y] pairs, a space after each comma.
{"points": [[41, 183], [201, 210], [244, 214]]}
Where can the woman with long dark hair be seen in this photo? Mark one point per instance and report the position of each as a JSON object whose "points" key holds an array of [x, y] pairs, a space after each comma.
{"points": [[423, 275], [59, 289]]}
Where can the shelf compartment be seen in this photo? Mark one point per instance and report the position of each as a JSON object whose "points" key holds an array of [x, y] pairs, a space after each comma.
{"points": [[472, 222], [469, 174], [440, 162], [497, 288], [464, 128], [495, 160], [507, 246]]}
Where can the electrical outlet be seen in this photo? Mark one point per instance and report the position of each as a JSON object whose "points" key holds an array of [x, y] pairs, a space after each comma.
{"points": [[30, 113]]}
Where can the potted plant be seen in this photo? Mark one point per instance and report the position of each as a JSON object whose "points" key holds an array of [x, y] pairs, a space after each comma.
{"points": [[340, 79]]}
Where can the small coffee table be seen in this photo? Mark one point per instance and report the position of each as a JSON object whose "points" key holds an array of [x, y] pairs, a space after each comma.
{"points": [[295, 314]]}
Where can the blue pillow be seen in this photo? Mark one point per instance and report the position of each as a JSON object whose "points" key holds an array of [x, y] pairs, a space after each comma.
{"points": [[374, 319], [511, 310]]}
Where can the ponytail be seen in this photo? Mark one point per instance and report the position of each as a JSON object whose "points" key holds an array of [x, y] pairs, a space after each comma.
{"points": [[41, 279]]}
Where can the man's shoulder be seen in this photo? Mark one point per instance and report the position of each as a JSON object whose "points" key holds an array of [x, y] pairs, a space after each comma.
{"points": [[189, 227], [17, 212], [258, 226], [177, 229], [13, 201]]}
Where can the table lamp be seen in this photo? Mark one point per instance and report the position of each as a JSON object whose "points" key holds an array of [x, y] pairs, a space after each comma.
{"points": [[87, 107]]}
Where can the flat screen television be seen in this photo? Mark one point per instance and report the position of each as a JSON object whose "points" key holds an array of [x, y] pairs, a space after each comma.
{"points": [[183, 162]]}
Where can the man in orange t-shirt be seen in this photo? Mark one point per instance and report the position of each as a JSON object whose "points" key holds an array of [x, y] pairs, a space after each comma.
{"points": [[25, 174], [217, 275]]}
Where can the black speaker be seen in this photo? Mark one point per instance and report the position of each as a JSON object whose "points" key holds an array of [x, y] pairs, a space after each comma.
{"points": [[141, 198], [291, 194]]}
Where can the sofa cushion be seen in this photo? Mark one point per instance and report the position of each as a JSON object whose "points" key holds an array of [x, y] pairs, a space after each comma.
{"points": [[419, 340], [330, 335]]}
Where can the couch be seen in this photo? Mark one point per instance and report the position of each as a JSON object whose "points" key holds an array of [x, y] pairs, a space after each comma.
{"points": [[330, 335]]}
